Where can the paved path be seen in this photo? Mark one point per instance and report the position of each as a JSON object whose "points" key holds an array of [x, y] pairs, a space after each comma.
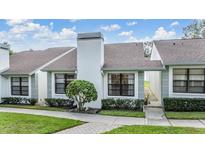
{"points": [[89, 128], [102, 123]]}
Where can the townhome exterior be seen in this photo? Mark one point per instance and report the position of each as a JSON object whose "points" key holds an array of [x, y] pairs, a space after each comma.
{"points": [[184, 63], [176, 69]]}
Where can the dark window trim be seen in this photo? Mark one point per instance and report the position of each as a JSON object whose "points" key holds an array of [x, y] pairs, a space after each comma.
{"points": [[121, 85], [20, 87], [65, 81], [188, 81]]}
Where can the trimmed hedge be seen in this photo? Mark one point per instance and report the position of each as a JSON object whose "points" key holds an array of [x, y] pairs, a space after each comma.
{"points": [[184, 104], [58, 102], [19, 100], [123, 104]]}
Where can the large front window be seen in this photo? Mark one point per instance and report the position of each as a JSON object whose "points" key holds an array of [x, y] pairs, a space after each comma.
{"points": [[189, 80], [61, 81], [19, 86], [121, 84]]}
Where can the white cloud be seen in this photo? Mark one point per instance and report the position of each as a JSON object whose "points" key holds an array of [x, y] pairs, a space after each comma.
{"points": [[112, 27], [12, 22], [175, 23], [131, 23], [64, 34], [127, 34], [34, 35], [161, 33]]}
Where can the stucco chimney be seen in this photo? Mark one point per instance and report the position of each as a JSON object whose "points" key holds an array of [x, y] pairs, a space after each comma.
{"points": [[90, 59], [4, 56]]}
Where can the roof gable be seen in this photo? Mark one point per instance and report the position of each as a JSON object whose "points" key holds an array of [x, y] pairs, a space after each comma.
{"points": [[181, 51]]}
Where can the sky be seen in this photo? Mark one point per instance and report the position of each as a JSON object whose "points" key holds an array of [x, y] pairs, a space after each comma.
{"points": [[24, 34]]}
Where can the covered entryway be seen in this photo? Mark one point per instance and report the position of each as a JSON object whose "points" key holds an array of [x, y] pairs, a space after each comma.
{"points": [[152, 87]]}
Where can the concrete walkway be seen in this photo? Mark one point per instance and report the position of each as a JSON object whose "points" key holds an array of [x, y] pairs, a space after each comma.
{"points": [[90, 128], [102, 123]]}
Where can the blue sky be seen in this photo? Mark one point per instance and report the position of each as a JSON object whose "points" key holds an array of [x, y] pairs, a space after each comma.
{"points": [[40, 34]]}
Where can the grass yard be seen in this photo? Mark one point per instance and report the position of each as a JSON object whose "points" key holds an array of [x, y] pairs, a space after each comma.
{"points": [[185, 115], [122, 113], [146, 84], [17, 123], [156, 130], [36, 107]]}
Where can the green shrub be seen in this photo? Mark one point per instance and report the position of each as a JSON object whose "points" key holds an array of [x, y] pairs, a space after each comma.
{"points": [[184, 104], [123, 104], [82, 92], [58, 102], [19, 100]]}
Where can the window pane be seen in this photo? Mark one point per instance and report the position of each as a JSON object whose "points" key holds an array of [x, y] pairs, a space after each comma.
{"points": [[180, 83], [15, 83], [114, 78], [196, 83], [15, 79], [196, 71], [196, 89], [180, 77], [127, 78], [15, 92], [24, 79], [180, 71], [60, 91], [114, 93], [70, 76], [179, 89], [196, 77]]}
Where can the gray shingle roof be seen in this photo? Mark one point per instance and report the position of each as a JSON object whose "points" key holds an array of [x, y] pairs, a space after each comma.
{"points": [[122, 56], [65, 63], [128, 56], [27, 61], [182, 51]]}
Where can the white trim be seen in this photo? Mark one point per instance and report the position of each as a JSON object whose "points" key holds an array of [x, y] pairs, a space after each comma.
{"points": [[154, 49], [29, 88], [174, 94], [54, 95], [105, 86], [53, 60]]}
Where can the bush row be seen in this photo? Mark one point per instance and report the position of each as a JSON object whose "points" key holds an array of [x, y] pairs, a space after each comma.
{"points": [[58, 102], [184, 104], [18, 100], [124, 104]]}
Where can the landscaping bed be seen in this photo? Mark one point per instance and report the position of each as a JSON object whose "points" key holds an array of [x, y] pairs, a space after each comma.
{"points": [[124, 113], [185, 115], [17, 123], [156, 130]]}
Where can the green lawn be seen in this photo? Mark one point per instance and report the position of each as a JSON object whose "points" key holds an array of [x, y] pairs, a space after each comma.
{"points": [[16, 123], [122, 113], [185, 115], [36, 107], [156, 130], [146, 84]]}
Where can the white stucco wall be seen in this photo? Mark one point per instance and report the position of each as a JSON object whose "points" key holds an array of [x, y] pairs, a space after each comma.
{"points": [[42, 86], [105, 78], [4, 59], [155, 83], [173, 94], [90, 59]]}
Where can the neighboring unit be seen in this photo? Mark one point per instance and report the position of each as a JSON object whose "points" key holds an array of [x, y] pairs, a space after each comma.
{"points": [[176, 69]]}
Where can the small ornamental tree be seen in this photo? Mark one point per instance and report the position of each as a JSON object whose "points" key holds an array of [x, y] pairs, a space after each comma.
{"points": [[82, 92]]}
